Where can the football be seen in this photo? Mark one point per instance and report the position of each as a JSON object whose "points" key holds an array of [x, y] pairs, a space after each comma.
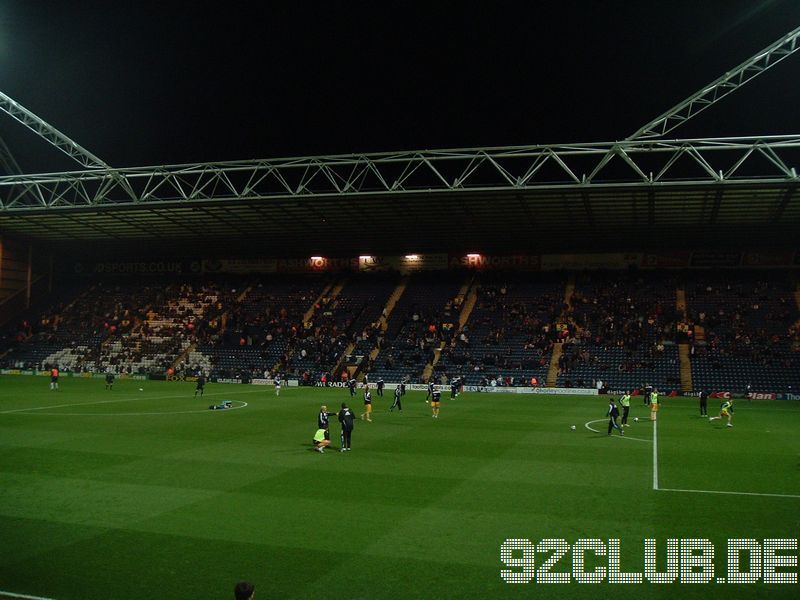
{"points": [[141, 389], [636, 419], [573, 428]]}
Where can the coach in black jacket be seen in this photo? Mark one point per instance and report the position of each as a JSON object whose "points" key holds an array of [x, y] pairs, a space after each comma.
{"points": [[347, 420]]}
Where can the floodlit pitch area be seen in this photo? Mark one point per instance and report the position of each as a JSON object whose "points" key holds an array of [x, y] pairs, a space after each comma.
{"points": [[130, 494]]}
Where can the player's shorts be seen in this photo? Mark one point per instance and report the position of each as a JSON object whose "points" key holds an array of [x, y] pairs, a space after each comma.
{"points": [[435, 404], [724, 413], [654, 407], [54, 379], [368, 408]]}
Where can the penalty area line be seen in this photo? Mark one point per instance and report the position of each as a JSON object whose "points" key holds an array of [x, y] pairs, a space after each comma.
{"points": [[729, 493], [4, 594]]}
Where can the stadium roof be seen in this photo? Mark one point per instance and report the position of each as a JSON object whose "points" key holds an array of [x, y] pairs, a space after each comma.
{"points": [[643, 190], [543, 219]]}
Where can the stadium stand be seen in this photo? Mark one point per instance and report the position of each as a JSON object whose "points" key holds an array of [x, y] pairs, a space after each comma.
{"points": [[425, 318], [745, 331], [510, 333], [73, 331], [344, 325], [737, 330], [622, 332], [259, 331]]}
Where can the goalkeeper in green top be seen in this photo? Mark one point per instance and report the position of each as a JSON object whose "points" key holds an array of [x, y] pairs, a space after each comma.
{"points": [[625, 403]]}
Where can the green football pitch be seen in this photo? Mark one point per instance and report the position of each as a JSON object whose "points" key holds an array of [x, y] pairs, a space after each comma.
{"points": [[129, 494]]}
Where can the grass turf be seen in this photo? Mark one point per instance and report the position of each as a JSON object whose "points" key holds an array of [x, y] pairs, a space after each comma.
{"points": [[130, 494]]}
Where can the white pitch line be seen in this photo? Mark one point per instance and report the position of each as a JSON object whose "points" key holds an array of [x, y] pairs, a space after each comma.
{"points": [[132, 399], [729, 493], [23, 596], [625, 437], [655, 455], [242, 404]]}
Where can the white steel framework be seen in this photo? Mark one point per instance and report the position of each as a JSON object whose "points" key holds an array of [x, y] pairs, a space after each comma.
{"points": [[719, 88], [749, 160], [640, 160]]}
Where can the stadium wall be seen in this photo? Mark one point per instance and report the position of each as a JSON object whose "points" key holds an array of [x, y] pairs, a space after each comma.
{"points": [[750, 259]]}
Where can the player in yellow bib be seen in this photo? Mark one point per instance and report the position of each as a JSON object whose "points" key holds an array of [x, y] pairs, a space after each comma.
{"points": [[726, 410], [319, 441], [653, 405]]}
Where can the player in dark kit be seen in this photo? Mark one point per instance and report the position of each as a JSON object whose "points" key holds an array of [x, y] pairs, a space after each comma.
{"points": [[347, 420], [648, 390], [322, 420], [352, 385], [703, 403], [201, 385], [380, 386], [109, 380], [430, 391], [454, 386], [613, 415], [397, 402]]}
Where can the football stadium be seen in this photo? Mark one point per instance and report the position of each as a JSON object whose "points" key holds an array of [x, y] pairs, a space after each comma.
{"points": [[505, 371]]}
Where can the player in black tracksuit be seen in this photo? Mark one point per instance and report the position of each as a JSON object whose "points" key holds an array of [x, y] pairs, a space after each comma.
{"points": [[380, 386], [430, 390], [322, 420], [703, 403], [613, 415], [397, 402], [352, 385], [347, 420], [648, 390], [201, 385], [454, 387]]}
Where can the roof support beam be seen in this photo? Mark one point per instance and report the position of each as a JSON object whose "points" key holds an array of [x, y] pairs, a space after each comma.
{"points": [[68, 146], [720, 87], [43, 129], [720, 161]]}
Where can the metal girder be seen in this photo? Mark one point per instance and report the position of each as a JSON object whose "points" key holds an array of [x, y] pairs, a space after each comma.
{"points": [[42, 128], [645, 162], [68, 146], [7, 161], [719, 88]]}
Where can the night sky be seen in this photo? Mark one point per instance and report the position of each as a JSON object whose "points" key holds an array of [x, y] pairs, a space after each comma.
{"points": [[144, 84]]}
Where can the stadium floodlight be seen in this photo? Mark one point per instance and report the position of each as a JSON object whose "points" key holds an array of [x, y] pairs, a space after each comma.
{"points": [[412, 256], [473, 255], [317, 258]]}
